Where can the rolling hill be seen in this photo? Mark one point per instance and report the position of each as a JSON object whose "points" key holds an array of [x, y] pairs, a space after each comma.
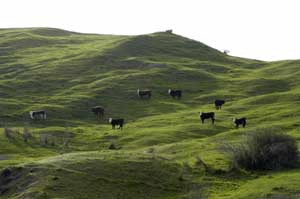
{"points": [[164, 151]]}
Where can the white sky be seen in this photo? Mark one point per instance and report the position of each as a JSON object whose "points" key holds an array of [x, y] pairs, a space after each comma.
{"points": [[258, 29]]}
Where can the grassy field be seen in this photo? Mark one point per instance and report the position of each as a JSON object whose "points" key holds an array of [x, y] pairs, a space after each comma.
{"points": [[164, 151]]}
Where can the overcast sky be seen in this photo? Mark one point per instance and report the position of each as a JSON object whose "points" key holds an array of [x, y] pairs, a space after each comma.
{"points": [[258, 29]]}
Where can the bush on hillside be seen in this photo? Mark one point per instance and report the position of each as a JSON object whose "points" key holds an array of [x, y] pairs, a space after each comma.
{"points": [[112, 146], [267, 149]]}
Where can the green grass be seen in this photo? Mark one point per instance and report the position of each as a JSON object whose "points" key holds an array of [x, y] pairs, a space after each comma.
{"points": [[67, 73]]}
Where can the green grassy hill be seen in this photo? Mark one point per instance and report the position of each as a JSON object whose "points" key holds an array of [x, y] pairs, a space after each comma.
{"points": [[158, 153]]}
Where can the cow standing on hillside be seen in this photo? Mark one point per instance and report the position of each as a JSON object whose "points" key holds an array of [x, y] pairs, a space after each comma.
{"points": [[38, 114], [209, 115], [175, 93], [241, 121], [219, 103], [142, 93], [98, 110], [115, 122]]}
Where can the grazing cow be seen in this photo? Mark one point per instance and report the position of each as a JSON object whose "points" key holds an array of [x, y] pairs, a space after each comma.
{"points": [[115, 122], [219, 103], [175, 93], [98, 110], [241, 121], [38, 114], [209, 115], [142, 93]]}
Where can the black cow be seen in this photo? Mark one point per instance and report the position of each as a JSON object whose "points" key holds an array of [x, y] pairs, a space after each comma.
{"points": [[98, 110], [241, 121], [175, 93], [38, 114], [115, 122], [219, 103], [142, 93], [209, 115]]}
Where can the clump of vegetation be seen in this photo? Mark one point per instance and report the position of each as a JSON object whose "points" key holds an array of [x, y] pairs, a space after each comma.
{"points": [[112, 146], [26, 134], [8, 133], [267, 149], [199, 163], [196, 191]]}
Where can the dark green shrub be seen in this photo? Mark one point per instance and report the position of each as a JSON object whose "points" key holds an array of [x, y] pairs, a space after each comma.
{"points": [[266, 149], [112, 146]]}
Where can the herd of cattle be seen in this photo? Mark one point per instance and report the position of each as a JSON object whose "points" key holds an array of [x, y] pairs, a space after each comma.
{"points": [[99, 110]]}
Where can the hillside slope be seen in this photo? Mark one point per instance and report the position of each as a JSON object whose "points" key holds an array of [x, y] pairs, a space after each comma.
{"points": [[67, 73], [158, 152]]}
